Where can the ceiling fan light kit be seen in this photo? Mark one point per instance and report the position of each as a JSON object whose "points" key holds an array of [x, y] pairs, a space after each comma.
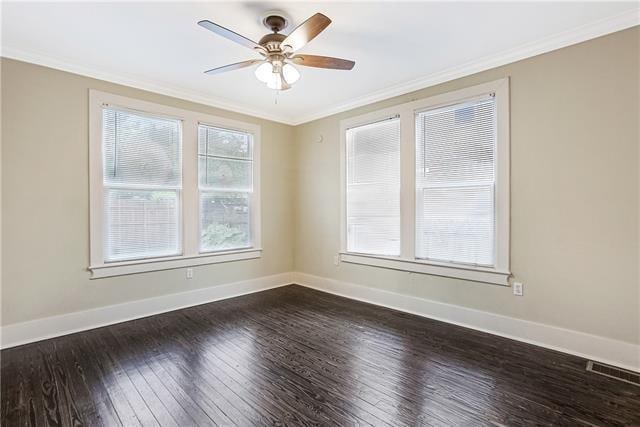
{"points": [[276, 67], [277, 76]]}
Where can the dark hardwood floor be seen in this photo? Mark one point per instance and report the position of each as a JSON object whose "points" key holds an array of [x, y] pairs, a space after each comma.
{"points": [[297, 356]]}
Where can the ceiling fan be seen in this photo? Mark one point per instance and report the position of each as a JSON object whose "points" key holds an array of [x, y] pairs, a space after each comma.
{"points": [[278, 50]]}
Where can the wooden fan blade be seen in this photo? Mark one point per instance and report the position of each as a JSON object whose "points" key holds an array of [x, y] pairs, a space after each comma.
{"points": [[322, 62], [232, 67], [231, 35], [306, 31]]}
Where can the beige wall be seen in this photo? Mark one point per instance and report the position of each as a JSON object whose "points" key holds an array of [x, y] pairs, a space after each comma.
{"points": [[574, 193], [575, 196], [45, 200]]}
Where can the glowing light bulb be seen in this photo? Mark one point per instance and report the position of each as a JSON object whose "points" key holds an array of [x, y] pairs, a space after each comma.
{"points": [[276, 82], [291, 74], [264, 72]]}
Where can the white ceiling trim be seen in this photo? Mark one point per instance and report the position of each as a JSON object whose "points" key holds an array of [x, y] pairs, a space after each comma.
{"points": [[138, 83], [609, 25]]}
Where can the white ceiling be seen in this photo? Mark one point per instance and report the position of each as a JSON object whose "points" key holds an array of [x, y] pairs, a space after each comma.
{"points": [[398, 47]]}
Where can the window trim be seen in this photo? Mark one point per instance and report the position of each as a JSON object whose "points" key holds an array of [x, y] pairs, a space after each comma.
{"points": [[407, 261], [189, 208]]}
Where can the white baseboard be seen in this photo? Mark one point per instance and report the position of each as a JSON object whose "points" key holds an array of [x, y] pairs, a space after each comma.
{"points": [[35, 330], [606, 350]]}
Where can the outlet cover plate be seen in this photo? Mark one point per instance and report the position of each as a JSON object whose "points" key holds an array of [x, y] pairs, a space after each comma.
{"points": [[517, 289]]}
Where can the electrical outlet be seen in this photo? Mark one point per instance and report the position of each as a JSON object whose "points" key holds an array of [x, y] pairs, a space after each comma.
{"points": [[336, 260], [517, 289], [189, 273]]}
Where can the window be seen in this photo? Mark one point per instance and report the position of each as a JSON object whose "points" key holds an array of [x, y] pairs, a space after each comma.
{"points": [[431, 185], [455, 179], [142, 182], [168, 190], [373, 188], [225, 169]]}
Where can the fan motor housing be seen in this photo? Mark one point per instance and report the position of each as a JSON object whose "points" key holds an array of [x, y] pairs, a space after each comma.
{"points": [[272, 41]]}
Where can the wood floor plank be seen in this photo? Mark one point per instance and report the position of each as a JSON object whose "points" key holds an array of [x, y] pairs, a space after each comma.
{"points": [[70, 403], [108, 375], [14, 409], [256, 355], [54, 414], [369, 365], [260, 383], [133, 370], [136, 351], [35, 401], [297, 362], [117, 367], [173, 405], [177, 346], [91, 410], [295, 356], [469, 347], [86, 373]]}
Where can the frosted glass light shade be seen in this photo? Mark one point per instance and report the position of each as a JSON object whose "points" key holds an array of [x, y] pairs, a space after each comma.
{"points": [[291, 74], [275, 82], [264, 72], [287, 75]]}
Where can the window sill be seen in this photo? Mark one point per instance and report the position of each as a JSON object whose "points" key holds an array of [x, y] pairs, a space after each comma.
{"points": [[477, 274], [143, 266]]}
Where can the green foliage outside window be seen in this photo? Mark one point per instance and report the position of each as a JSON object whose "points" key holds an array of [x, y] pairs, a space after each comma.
{"points": [[224, 236]]}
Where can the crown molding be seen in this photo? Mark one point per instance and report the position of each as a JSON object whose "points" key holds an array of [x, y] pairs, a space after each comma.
{"points": [[138, 83], [580, 34], [622, 21]]}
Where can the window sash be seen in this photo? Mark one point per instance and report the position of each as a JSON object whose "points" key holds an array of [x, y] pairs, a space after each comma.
{"points": [[144, 255], [203, 248], [382, 216], [467, 169], [213, 189], [422, 244], [140, 245]]}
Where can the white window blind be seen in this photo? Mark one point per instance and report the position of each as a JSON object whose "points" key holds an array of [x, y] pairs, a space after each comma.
{"points": [[225, 175], [142, 178], [455, 183], [373, 188]]}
